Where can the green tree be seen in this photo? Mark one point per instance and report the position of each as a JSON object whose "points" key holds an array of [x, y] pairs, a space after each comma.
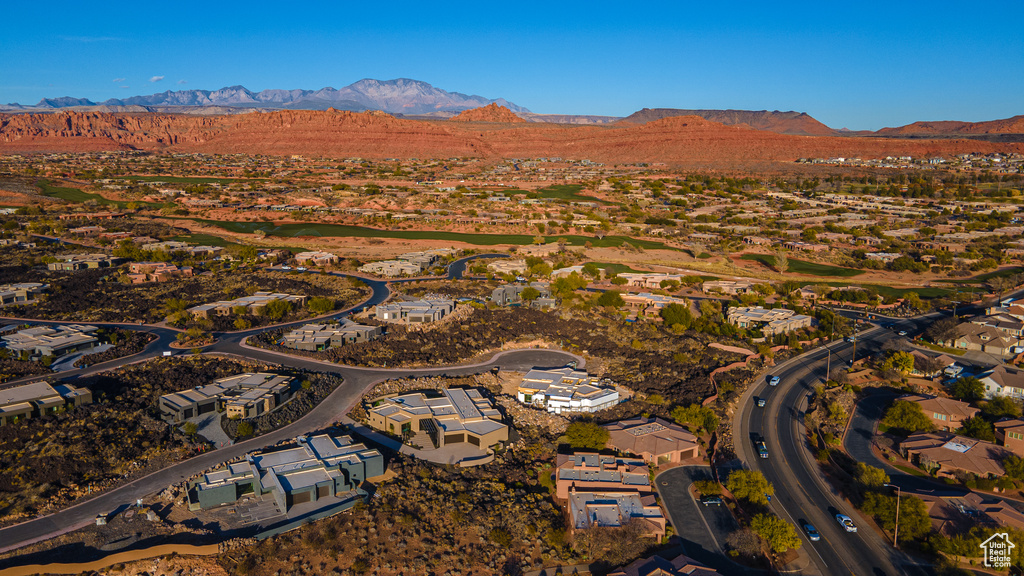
{"points": [[914, 520], [620, 281], [700, 418], [870, 477], [778, 534], [542, 269], [1000, 407], [529, 294], [565, 286], [750, 485], [276, 309], [611, 298], [968, 389], [677, 314], [586, 435], [708, 487], [320, 305], [190, 428], [979, 428], [906, 418], [900, 361], [1014, 466], [591, 269]]}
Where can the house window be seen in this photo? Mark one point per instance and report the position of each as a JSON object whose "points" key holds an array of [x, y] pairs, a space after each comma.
{"points": [[939, 416], [1016, 435]]}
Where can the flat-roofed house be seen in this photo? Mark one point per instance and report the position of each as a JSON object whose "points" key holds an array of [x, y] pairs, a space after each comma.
{"points": [[316, 337], [242, 395], [39, 399], [513, 293], [730, 287], [565, 390], [252, 304], [592, 471], [21, 293], [320, 468], [53, 341], [457, 415], [769, 321], [72, 262], [615, 509], [415, 312], [655, 440]]}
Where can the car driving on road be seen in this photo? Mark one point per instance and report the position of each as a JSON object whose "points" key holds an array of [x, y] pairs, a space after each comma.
{"points": [[773, 381], [760, 402], [846, 522], [812, 533]]}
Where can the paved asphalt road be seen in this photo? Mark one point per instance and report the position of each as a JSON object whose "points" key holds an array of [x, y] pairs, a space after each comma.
{"points": [[356, 382], [801, 495]]}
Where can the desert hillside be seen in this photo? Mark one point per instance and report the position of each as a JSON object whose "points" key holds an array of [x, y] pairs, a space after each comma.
{"points": [[687, 141]]}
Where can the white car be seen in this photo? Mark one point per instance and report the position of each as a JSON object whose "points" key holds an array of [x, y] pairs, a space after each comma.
{"points": [[846, 522]]}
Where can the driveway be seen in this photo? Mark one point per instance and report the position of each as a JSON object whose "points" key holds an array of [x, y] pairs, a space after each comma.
{"points": [[703, 529]]}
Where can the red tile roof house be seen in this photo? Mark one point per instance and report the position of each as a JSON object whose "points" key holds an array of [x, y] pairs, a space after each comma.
{"points": [[1010, 433], [655, 440], [948, 454], [946, 414]]}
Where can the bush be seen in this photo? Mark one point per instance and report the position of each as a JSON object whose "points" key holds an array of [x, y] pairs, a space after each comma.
{"points": [[244, 429]]}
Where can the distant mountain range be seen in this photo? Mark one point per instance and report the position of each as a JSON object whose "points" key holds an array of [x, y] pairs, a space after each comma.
{"points": [[399, 96], [414, 99]]}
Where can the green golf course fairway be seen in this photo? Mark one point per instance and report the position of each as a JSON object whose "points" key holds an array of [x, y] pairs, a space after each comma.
{"points": [[296, 230]]}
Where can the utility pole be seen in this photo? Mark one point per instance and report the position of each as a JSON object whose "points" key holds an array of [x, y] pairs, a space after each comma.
{"points": [[897, 530]]}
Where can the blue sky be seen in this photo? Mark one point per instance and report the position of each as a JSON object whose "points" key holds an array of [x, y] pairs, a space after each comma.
{"points": [[861, 65]]}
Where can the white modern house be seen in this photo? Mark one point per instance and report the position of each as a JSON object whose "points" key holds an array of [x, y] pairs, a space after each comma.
{"points": [[565, 390]]}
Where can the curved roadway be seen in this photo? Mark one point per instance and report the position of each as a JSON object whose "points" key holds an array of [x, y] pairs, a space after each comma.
{"points": [[801, 493], [356, 381]]}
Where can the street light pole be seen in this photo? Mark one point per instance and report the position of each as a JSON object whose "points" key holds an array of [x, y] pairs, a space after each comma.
{"points": [[828, 363], [897, 530]]}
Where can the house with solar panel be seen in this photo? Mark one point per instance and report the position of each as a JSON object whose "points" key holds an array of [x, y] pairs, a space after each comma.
{"points": [[655, 440]]}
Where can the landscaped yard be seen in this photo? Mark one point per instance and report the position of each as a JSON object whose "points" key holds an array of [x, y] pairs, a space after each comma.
{"points": [[805, 267]]}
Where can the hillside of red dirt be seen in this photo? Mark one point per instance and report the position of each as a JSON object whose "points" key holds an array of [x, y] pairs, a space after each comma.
{"points": [[490, 113], [799, 123], [686, 141], [1014, 125]]}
